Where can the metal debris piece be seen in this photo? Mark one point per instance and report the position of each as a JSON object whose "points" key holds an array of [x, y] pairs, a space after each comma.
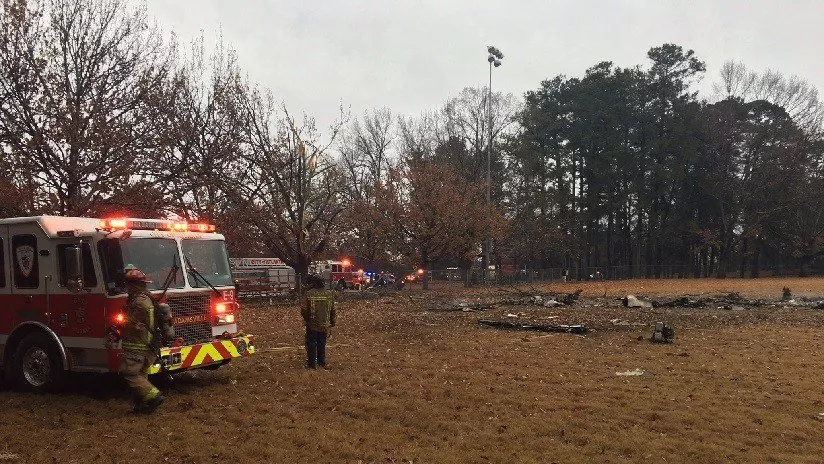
{"points": [[575, 329], [634, 373], [631, 301], [662, 333]]}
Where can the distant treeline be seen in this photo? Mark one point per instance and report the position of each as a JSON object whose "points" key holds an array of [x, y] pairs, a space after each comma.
{"points": [[627, 167], [102, 115]]}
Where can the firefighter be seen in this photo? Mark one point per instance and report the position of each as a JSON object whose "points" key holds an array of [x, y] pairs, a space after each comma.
{"points": [[318, 310], [137, 340]]}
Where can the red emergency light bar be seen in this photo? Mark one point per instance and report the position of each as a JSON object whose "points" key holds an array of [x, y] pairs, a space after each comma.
{"points": [[140, 224]]}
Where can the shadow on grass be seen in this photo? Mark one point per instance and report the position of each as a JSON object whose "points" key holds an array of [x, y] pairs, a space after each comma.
{"points": [[104, 387]]}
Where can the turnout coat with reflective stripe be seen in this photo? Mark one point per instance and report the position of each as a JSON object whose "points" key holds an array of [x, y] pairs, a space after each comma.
{"points": [[137, 331], [318, 310]]}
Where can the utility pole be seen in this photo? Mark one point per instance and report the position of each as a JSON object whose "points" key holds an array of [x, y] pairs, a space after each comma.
{"points": [[494, 59]]}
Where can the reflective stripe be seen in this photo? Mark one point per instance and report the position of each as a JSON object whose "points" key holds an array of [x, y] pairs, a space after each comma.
{"points": [[327, 303], [152, 394], [204, 354], [151, 318]]}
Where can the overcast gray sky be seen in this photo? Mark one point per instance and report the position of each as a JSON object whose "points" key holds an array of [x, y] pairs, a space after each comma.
{"points": [[410, 55]]}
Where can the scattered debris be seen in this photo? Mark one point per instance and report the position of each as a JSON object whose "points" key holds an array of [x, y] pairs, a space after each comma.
{"points": [[576, 329], [511, 315], [571, 298], [683, 302], [631, 301], [820, 416], [662, 333], [733, 307], [465, 306], [621, 322], [786, 294], [634, 373], [9, 457], [543, 300]]}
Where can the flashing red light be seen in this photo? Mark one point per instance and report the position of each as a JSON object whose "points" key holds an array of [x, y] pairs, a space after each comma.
{"points": [[223, 315], [202, 227], [120, 318], [420, 271], [345, 262], [154, 224]]}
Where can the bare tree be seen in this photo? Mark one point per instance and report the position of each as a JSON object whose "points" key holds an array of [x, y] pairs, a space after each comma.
{"points": [[467, 117], [286, 189], [797, 96], [203, 134], [365, 149], [419, 137], [78, 91]]}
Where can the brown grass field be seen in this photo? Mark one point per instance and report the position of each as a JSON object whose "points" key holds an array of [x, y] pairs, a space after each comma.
{"points": [[409, 383]]}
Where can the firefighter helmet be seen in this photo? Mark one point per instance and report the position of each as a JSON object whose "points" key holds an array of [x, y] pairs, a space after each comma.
{"points": [[136, 275]]}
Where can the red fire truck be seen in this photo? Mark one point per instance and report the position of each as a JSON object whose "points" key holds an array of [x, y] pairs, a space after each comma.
{"points": [[339, 274], [62, 295]]}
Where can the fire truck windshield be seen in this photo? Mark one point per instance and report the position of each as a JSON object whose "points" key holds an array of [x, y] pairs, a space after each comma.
{"points": [[210, 259], [154, 256]]}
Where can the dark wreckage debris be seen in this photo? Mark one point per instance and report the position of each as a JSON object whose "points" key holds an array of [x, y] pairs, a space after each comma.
{"points": [[575, 329]]}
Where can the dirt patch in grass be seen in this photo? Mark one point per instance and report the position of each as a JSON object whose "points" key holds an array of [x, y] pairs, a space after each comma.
{"points": [[411, 383]]}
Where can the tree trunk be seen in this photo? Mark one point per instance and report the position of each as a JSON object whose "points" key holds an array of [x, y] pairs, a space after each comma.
{"points": [[755, 264], [742, 270], [425, 260]]}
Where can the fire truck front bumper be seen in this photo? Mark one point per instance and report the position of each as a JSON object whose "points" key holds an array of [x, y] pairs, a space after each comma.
{"points": [[208, 354]]}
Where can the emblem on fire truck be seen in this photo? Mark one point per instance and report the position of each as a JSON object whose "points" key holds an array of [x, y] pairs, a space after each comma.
{"points": [[25, 259]]}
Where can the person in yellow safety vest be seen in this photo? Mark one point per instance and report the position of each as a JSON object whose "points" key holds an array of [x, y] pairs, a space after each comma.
{"points": [[318, 311], [137, 339]]}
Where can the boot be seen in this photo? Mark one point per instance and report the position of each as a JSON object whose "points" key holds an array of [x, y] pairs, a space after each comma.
{"points": [[154, 403]]}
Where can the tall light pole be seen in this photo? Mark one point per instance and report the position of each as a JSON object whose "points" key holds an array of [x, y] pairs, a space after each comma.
{"points": [[494, 59]]}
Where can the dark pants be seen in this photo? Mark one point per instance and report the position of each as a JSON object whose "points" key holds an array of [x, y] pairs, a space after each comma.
{"points": [[315, 348]]}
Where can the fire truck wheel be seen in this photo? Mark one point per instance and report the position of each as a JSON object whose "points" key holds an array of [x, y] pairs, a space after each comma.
{"points": [[36, 365], [342, 284]]}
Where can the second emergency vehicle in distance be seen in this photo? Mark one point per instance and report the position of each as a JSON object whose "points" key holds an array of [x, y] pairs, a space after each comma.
{"points": [[62, 295], [339, 274], [256, 277]]}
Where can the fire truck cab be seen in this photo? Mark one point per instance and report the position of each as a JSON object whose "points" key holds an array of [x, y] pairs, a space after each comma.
{"points": [[63, 298], [339, 274]]}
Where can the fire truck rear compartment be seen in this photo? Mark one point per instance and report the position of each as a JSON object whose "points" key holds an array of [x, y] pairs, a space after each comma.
{"points": [[197, 306]]}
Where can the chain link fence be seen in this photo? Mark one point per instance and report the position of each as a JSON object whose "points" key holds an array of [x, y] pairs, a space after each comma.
{"points": [[506, 276]]}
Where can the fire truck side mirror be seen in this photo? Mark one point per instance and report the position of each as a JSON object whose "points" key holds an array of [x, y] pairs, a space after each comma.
{"points": [[74, 268]]}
